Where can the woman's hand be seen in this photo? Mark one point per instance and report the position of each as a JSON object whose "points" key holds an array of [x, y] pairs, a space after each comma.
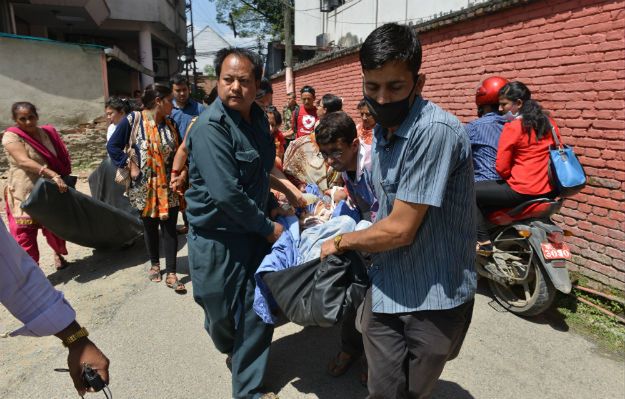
{"points": [[60, 183], [134, 170]]}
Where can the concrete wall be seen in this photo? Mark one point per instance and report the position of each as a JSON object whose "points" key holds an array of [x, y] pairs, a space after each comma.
{"points": [[162, 11], [64, 81], [571, 54]]}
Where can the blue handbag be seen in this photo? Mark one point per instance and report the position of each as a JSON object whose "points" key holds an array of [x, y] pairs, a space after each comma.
{"points": [[565, 171]]}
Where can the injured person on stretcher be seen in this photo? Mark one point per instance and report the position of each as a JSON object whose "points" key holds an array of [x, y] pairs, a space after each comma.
{"points": [[300, 244]]}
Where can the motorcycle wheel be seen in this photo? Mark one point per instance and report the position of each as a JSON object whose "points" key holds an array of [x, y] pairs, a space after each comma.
{"points": [[529, 297]]}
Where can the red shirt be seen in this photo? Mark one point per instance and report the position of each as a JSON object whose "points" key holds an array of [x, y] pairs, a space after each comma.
{"points": [[305, 121], [278, 139], [522, 161]]}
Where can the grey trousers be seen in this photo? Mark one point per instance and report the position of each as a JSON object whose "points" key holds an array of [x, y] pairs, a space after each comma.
{"points": [[407, 352], [222, 267]]}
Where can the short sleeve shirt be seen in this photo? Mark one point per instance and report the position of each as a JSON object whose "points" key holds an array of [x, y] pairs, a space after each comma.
{"points": [[426, 161]]}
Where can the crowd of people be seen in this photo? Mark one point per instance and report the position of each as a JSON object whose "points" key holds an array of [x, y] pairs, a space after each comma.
{"points": [[234, 164]]}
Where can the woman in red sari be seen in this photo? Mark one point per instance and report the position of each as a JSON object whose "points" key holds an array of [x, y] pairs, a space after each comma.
{"points": [[33, 151]]}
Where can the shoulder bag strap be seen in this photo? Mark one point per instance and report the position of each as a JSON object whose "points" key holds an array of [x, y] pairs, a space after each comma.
{"points": [[555, 137]]}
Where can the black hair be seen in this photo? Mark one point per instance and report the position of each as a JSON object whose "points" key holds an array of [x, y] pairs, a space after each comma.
{"points": [[533, 115], [391, 42], [257, 63], [290, 94], [23, 104], [335, 126], [179, 79], [276, 114], [210, 97], [264, 89], [331, 103], [152, 92], [265, 85], [307, 89], [361, 103], [118, 104]]}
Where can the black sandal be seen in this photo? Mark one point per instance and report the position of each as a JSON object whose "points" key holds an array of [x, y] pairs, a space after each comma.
{"points": [[176, 285]]}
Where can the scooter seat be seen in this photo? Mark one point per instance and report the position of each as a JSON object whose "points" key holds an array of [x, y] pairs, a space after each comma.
{"points": [[536, 208]]}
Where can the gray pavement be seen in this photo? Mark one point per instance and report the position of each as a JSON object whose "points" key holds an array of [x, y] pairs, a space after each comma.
{"points": [[159, 349]]}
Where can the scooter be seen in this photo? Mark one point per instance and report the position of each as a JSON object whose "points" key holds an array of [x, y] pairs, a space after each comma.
{"points": [[528, 261]]}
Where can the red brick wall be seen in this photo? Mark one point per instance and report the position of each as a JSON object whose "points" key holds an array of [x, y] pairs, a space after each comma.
{"points": [[571, 53]]}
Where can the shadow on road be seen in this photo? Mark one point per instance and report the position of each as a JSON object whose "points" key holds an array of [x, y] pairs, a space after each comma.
{"points": [[551, 316], [301, 359], [450, 390], [100, 264], [103, 263]]}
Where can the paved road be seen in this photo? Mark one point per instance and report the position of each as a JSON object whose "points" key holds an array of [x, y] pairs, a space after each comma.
{"points": [[159, 349]]}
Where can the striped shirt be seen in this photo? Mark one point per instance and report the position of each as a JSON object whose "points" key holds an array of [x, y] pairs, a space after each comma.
{"points": [[426, 161], [484, 136]]}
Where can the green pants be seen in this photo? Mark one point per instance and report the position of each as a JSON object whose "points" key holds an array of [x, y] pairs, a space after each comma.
{"points": [[222, 267]]}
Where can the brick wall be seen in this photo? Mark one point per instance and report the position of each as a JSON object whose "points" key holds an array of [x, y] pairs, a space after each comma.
{"points": [[571, 53]]}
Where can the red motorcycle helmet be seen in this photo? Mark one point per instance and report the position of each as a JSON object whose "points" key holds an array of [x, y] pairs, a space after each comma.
{"points": [[488, 92]]}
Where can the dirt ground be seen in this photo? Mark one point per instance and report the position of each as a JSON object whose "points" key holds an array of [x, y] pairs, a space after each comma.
{"points": [[96, 283]]}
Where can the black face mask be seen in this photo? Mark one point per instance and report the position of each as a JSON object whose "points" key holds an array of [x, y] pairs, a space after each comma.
{"points": [[389, 114]]}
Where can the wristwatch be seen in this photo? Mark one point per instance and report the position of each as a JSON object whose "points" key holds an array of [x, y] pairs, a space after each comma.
{"points": [[75, 336], [337, 242]]}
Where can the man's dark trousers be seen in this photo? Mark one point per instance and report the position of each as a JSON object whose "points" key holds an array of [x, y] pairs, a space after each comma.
{"points": [[407, 352], [222, 267]]}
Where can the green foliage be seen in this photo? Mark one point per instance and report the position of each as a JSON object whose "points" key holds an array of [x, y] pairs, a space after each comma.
{"points": [[608, 332], [209, 70], [253, 18]]}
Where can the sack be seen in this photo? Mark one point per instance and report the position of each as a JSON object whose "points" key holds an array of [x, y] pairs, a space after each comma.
{"points": [[316, 293], [122, 175], [103, 188], [565, 171], [80, 219]]}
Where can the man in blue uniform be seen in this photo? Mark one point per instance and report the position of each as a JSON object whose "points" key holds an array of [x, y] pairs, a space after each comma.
{"points": [[228, 207]]}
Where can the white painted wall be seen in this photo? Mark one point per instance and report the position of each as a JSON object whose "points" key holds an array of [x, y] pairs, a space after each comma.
{"points": [[360, 17]]}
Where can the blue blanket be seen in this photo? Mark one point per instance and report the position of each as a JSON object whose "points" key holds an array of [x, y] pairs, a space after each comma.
{"points": [[294, 248]]}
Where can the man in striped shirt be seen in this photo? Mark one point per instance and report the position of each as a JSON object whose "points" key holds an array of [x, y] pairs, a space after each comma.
{"points": [[419, 306]]}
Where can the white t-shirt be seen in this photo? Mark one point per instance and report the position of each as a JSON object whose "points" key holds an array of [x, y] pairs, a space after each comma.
{"points": [[110, 131]]}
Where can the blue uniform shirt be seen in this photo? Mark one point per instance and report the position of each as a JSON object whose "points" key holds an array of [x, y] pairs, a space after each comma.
{"points": [[229, 165], [484, 135], [426, 161], [183, 116]]}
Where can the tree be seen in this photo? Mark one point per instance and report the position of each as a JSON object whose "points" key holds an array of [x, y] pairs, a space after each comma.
{"points": [[253, 18], [209, 70]]}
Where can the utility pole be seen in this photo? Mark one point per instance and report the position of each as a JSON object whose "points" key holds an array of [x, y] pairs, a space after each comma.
{"points": [[288, 46], [190, 49]]}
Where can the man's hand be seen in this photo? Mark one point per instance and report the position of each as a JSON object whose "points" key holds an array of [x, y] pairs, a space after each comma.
{"points": [[178, 182], [277, 232], [280, 211], [328, 248], [83, 352]]}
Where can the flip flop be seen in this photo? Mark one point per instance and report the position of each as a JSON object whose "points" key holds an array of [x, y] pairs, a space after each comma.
{"points": [[338, 367], [176, 285], [59, 262], [154, 274]]}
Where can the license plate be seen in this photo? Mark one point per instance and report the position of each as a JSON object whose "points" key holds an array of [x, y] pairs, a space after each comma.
{"points": [[555, 251]]}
